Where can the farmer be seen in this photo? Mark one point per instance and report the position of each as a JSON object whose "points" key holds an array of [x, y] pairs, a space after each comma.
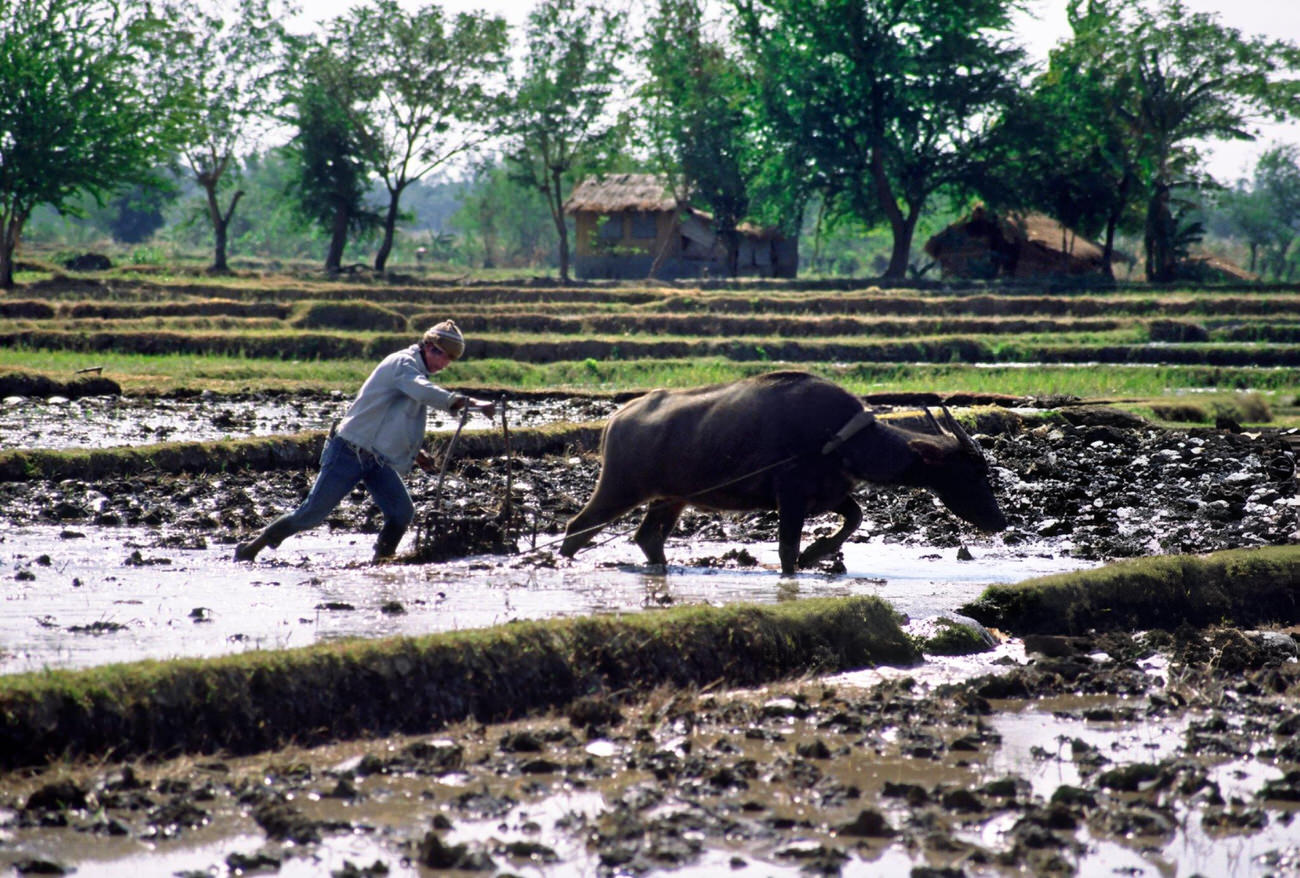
{"points": [[377, 441]]}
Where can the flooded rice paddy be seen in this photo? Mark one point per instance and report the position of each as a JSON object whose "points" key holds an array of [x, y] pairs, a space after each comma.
{"points": [[112, 421], [1129, 756], [112, 595]]}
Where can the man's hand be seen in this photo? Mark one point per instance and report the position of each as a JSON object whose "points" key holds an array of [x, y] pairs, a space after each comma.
{"points": [[424, 460], [489, 409]]}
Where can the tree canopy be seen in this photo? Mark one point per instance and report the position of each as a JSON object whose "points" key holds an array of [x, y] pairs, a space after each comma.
{"points": [[561, 119], [79, 114], [435, 89], [882, 102]]}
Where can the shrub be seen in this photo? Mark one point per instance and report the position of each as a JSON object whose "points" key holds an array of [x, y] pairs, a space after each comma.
{"points": [[1176, 331], [1184, 412], [347, 315]]}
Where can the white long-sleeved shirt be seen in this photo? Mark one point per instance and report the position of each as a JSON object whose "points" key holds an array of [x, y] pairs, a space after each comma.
{"points": [[389, 416]]}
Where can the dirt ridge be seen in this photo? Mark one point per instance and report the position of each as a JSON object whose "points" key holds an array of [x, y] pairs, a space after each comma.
{"points": [[265, 699]]}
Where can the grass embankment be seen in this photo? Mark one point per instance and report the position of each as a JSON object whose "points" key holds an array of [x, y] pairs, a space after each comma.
{"points": [[1240, 586], [262, 700], [171, 373]]}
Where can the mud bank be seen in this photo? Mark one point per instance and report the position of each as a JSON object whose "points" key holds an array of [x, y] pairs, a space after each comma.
{"points": [[1242, 587], [263, 700]]}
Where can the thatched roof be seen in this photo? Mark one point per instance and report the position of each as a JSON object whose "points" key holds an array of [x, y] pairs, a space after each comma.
{"points": [[1028, 228], [615, 192], [1038, 228]]}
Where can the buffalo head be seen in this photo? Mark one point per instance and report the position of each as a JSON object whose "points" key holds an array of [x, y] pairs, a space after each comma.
{"points": [[944, 459]]}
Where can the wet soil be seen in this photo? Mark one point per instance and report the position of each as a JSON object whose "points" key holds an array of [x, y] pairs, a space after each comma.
{"points": [[1161, 752], [1169, 753], [1105, 484]]}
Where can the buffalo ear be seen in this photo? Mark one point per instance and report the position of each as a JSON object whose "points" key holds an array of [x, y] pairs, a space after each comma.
{"points": [[930, 452]]}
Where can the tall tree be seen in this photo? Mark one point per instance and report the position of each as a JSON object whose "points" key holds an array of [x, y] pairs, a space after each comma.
{"points": [[77, 114], [333, 152], [225, 62], [1061, 147], [886, 101], [1265, 213], [436, 89], [1178, 79], [698, 107], [561, 119]]}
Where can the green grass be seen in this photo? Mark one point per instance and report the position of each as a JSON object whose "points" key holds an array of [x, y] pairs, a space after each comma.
{"points": [[138, 373], [1241, 586]]}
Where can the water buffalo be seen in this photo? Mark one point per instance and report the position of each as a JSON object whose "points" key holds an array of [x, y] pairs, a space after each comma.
{"points": [[788, 441]]}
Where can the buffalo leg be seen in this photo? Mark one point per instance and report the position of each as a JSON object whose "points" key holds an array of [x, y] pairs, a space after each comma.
{"points": [[600, 510], [820, 548], [791, 510], [655, 527]]}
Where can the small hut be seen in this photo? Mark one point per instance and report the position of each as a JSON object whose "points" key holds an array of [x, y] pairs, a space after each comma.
{"points": [[985, 245], [632, 226]]}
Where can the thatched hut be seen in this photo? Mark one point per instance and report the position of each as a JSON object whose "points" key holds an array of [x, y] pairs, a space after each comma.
{"points": [[1017, 245], [632, 226]]}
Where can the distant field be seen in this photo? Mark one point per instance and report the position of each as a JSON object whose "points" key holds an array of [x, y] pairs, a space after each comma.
{"points": [[245, 334]]}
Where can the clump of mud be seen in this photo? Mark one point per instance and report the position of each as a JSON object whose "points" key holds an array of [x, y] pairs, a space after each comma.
{"points": [[445, 535]]}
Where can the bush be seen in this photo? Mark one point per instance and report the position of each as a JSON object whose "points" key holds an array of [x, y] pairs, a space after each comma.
{"points": [[1184, 412], [1176, 331], [347, 315], [1246, 407]]}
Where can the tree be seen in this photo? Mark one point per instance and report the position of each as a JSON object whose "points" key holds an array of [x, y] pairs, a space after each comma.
{"points": [[75, 116], [226, 63], [1176, 80], [1265, 213], [333, 154], [1061, 148], [884, 102], [560, 120], [698, 110], [435, 89], [503, 222]]}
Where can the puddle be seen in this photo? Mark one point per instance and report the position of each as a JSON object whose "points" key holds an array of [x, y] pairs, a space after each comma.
{"points": [[111, 421], [774, 825], [130, 599], [1037, 743]]}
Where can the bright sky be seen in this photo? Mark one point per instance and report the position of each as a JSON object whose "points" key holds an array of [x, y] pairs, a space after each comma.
{"points": [[1277, 19]]}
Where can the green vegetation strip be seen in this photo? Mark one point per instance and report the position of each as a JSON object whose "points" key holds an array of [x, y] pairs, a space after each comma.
{"points": [[262, 453], [1240, 586], [304, 345], [261, 700]]}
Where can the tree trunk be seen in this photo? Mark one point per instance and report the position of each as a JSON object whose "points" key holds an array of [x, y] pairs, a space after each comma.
{"points": [[900, 225], [390, 228], [220, 224], [11, 227], [1161, 261], [555, 196], [1108, 248], [731, 249], [338, 238]]}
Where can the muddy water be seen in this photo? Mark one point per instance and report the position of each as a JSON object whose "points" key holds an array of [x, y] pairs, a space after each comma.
{"points": [[96, 595], [110, 421], [78, 595]]}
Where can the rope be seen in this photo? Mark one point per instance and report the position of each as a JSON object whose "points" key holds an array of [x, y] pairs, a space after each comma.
{"points": [[660, 503]]}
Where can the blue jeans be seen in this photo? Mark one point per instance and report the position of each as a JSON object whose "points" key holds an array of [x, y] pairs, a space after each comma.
{"points": [[342, 466]]}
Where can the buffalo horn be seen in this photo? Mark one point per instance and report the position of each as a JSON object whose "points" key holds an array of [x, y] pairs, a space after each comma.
{"points": [[956, 429], [929, 415]]}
